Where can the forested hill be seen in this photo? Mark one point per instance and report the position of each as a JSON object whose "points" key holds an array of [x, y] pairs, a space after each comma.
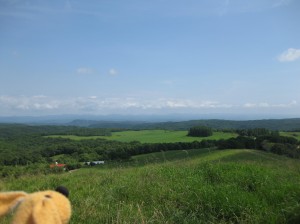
{"points": [[271, 124], [75, 126]]}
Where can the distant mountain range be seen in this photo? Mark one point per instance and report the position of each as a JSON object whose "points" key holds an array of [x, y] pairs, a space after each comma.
{"points": [[173, 122], [66, 118], [272, 124]]}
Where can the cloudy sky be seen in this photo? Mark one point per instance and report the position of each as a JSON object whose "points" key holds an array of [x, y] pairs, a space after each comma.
{"points": [[149, 57]]}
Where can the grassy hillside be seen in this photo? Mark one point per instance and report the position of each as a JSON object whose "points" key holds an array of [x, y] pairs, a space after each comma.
{"points": [[152, 136], [198, 186]]}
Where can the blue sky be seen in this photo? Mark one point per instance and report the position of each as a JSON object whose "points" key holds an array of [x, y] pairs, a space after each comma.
{"points": [[149, 57]]}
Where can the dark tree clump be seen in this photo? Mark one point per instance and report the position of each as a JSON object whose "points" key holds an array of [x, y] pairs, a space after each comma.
{"points": [[200, 131]]}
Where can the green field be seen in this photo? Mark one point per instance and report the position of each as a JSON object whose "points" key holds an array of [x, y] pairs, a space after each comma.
{"points": [[195, 186], [291, 134], [152, 136]]}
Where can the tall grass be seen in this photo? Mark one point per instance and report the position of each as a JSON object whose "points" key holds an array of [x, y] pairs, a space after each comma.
{"points": [[231, 186]]}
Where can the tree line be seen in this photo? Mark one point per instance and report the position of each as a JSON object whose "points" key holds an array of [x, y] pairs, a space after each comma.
{"points": [[290, 124]]}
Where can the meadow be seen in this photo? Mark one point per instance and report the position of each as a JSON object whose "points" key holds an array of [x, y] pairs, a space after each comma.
{"points": [[151, 136], [194, 186], [291, 134]]}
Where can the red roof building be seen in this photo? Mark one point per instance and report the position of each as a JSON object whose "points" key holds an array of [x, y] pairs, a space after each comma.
{"points": [[57, 165]]}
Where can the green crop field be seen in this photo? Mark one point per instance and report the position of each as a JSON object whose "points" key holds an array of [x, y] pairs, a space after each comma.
{"points": [[195, 186], [152, 136]]}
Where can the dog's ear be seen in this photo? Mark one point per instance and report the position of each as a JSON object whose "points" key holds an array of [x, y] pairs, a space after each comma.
{"points": [[9, 200], [63, 190]]}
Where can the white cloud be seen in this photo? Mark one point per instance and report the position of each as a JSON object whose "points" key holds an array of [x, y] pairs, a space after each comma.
{"points": [[268, 105], [112, 71], [294, 102], [85, 71], [40, 104], [99, 104], [249, 105], [291, 54], [264, 105], [32, 103]]}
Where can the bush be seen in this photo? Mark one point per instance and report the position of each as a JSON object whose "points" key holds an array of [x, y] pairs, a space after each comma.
{"points": [[73, 166], [286, 149]]}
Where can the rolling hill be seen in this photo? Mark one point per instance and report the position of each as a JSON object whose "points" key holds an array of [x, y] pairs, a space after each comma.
{"points": [[201, 186]]}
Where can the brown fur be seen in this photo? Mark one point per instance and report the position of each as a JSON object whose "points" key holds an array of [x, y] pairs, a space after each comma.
{"points": [[44, 207]]}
